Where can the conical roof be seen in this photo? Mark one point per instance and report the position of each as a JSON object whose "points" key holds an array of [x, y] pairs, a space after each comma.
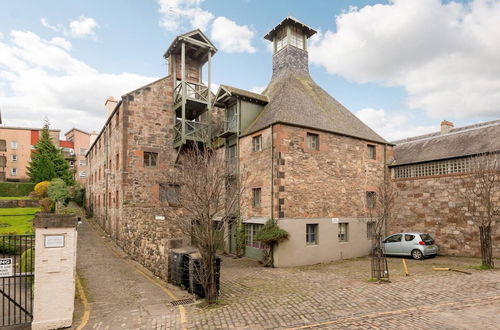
{"points": [[295, 99]]}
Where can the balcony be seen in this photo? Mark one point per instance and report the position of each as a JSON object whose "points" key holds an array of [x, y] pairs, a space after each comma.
{"points": [[3, 161], [195, 131], [230, 127], [196, 99], [3, 145]]}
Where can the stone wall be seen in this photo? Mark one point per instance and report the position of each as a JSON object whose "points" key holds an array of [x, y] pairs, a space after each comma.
{"points": [[329, 182], [290, 59], [430, 205], [13, 203]]}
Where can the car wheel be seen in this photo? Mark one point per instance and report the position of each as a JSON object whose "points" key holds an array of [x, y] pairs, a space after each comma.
{"points": [[417, 254]]}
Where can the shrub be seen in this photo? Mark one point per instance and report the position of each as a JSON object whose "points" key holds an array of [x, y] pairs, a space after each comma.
{"points": [[58, 191], [27, 261], [46, 204], [80, 197], [240, 239], [41, 189], [8, 246], [15, 189], [270, 234]]}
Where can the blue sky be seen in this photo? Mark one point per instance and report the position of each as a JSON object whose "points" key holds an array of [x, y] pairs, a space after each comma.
{"points": [[402, 66]]}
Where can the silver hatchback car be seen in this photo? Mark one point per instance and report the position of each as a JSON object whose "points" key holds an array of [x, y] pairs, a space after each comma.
{"points": [[416, 245]]}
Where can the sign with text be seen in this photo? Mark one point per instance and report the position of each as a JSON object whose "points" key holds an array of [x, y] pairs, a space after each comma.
{"points": [[54, 241], [6, 267], [335, 220]]}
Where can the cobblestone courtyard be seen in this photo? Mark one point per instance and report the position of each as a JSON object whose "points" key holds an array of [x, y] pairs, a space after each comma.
{"points": [[335, 295]]}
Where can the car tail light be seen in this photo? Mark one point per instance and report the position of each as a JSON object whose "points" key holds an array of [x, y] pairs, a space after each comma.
{"points": [[421, 243]]}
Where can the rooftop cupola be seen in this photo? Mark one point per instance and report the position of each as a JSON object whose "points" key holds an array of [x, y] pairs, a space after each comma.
{"points": [[289, 40]]}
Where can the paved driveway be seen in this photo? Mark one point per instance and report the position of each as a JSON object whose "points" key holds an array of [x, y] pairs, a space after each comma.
{"points": [[336, 295]]}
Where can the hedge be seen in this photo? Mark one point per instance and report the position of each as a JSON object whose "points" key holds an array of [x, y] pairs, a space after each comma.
{"points": [[16, 189]]}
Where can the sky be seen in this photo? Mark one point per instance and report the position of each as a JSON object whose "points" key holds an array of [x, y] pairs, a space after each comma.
{"points": [[401, 66]]}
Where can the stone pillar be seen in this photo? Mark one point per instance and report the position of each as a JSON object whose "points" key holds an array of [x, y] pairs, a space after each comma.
{"points": [[55, 266]]}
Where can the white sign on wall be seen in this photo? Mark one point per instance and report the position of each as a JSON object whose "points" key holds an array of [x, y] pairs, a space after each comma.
{"points": [[159, 217], [6, 267], [335, 220], [54, 241]]}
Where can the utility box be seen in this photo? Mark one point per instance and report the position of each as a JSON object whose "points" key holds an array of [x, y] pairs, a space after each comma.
{"points": [[194, 264], [178, 266]]}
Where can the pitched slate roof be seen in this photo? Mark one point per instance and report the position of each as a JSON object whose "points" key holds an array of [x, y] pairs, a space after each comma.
{"points": [[297, 100], [458, 142], [309, 31], [244, 93]]}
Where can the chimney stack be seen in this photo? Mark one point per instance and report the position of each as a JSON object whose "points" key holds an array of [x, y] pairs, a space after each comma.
{"points": [[110, 105], [446, 126]]}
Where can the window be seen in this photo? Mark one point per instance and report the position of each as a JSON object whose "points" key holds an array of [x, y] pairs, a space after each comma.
{"points": [[251, 230], [231, 157], [117, 162], [13, 171], [280, 39], [394, 238], [371, 199], [372, 152], [83, 151], [256, 194], [459, 165], [409, 237], [83, 174], [150, 159], [313, 141], [13, 158], [257, 143], [170, 193], [311, 233], [71, 164], [370, 229], [343, 232], [296, 37], [13, 145], [83, 162]]}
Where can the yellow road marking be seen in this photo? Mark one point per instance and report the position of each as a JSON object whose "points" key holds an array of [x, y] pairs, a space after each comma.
{"points": [[182, 310], [395, 312], [85, 302]]}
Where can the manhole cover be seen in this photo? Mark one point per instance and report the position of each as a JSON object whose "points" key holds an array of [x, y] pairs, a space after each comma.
{"points": [[182, 302]]}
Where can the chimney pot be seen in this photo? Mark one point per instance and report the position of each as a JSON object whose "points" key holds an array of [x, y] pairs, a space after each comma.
{"points": [[446, 126]]}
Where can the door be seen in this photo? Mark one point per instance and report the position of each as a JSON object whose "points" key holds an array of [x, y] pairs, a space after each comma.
{"points": [[409, 242], [392, 244]]}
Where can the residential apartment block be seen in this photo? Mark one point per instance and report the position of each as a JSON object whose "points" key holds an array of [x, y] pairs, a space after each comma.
{"points": [[313, 165], [17, 144]]}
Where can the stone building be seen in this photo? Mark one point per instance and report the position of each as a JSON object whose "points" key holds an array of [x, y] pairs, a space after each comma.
{"points": [[313, 165], [427, 171]]}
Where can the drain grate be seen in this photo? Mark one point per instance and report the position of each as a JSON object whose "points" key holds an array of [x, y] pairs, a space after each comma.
{"points": [[182, 302]]}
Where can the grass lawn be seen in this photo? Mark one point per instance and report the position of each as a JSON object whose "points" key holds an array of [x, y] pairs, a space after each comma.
{"points": [[17, 220], [21, 198]]}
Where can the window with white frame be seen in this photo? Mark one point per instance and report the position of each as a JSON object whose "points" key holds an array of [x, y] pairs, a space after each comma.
{"points": [[13, 158], [83, 174], [251, 230], [83, 162], [343, 232], [83, 151], [280, 39], [13, 145], [257, 143], [450, 166], [13, 171]]}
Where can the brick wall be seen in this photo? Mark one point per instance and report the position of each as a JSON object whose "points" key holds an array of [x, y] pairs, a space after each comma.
{"points": [[430, 205]]}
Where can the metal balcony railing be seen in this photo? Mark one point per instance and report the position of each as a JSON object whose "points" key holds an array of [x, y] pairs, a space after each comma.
{"points": [[197, 131], [194, 91]]}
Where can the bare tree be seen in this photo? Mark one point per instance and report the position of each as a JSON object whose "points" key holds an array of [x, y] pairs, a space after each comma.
{"points": [[380, 208], [479, 197], [206, 197]]}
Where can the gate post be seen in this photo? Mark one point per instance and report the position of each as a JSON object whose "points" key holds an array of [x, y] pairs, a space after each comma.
{"points": [[55, 264]]}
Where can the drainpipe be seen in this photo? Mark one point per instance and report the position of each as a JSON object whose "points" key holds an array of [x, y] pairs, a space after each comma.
{"points": [[272, 171], [106, 176], [386, 225]]}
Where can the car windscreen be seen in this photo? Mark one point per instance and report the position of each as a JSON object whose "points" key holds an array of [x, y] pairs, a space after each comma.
{"points": [[427, 238]]}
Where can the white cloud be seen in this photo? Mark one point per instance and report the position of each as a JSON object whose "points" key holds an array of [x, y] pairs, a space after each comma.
{"points": [[61, 42], [445, 55], [179, 15], [392, 126], [231, 37], [82, 27], [40, 79], [176, 12]]}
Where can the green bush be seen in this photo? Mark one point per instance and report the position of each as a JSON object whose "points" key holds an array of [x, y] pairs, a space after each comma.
{"points": [[28, 262], [270, 234], [15, 189], [80, 197], [8, 246]]}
